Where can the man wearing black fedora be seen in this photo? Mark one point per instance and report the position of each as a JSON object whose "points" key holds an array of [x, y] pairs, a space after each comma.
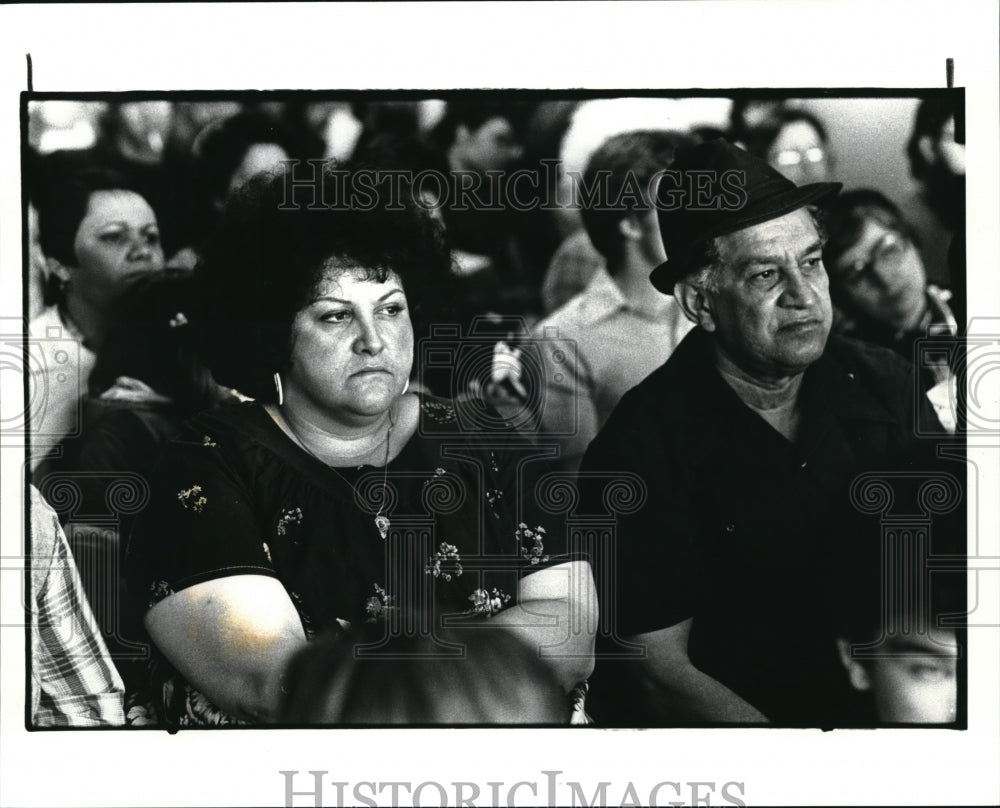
{"points": [[747, 439]]}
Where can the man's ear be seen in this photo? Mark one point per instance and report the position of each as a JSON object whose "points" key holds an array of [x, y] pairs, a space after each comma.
{"points": [[695, 304], [855, 670], [926, 146], [630, 228]]}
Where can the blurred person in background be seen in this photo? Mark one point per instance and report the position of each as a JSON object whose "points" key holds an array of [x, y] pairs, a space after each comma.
{"points": [[877, 277], [236, 149], [575, 260], [147, 380], [191, 118], [749, 113], [879, 287], [411, 153], [936, 151], [621, 326], [478, 137], [793, 141], [98, 237], [228, 153], [399, 120], [541, 231], [132, 141]]}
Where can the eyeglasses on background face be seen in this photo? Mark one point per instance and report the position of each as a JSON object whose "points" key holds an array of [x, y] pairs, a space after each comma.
{"points": [[787, 158], [886, 256]]}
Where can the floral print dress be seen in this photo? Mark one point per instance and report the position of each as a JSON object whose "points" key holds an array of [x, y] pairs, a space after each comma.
{"points": [[234, 495]]}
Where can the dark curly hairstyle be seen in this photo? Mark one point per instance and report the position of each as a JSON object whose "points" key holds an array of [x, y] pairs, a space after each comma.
{"points": [[274, 240]]}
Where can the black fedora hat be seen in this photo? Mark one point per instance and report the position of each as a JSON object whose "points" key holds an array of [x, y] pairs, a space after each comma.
{"points": [[716, 188]]}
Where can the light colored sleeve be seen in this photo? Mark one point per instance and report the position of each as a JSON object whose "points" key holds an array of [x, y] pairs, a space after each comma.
{"points": [[73, 680]]}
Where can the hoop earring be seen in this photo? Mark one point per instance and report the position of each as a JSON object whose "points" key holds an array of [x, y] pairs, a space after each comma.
{"points": [[277, 387], [405, 387]]}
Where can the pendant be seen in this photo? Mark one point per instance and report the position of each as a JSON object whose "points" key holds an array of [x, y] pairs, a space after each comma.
{"points": [[383, 524]]}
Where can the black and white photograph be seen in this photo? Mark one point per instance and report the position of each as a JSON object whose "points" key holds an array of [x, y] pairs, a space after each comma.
{"points": [[623, 433]]}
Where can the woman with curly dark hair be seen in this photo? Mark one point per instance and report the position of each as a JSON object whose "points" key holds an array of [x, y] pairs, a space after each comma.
{"points": [[337, 497]]}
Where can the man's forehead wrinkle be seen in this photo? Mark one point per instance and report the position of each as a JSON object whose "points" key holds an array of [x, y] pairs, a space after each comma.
{"points": [[753, 246], [747, 253]]}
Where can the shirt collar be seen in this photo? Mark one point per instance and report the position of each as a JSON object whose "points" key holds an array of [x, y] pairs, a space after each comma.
{"points": [[604, 296], [831, 385], [605, 299]]}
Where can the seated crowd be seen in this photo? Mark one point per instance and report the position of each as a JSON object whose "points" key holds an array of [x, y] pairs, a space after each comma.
{"points": [[331, 389]]}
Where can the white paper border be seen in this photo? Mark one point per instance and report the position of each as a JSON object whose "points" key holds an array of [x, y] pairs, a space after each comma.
{"points": [[538, 45]]}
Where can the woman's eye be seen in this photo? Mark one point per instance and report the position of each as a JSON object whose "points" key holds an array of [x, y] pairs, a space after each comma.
{"points": [[112, 238], [153, 238], [336, 317], [392, 309]]}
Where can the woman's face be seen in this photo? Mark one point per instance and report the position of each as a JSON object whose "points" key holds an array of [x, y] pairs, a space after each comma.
{"points": [[117, 241], [881, 277], [352, 348]]}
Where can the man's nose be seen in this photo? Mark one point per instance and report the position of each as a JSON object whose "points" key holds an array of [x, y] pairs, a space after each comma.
{"points": [[882, 275], [797, 291]]}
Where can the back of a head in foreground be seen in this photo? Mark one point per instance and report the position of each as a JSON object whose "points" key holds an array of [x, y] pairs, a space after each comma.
{"points": [[413, 681]]}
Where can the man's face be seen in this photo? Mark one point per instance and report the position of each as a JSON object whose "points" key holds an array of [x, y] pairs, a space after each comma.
{"points": [[918, 683], [491, 147], [880, 277], [770, 312], [914, 681]]}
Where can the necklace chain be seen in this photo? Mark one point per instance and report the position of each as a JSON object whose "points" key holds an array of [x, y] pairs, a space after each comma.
{"points": [[382, 523]]}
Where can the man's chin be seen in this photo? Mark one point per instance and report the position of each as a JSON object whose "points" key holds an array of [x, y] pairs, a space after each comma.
{"points": [[801, 353]]}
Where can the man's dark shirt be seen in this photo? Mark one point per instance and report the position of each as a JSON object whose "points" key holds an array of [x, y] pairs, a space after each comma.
{"points": [[739, 526]]}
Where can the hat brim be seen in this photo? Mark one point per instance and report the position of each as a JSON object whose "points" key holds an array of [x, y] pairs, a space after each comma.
{"points": [[665, 275]]}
